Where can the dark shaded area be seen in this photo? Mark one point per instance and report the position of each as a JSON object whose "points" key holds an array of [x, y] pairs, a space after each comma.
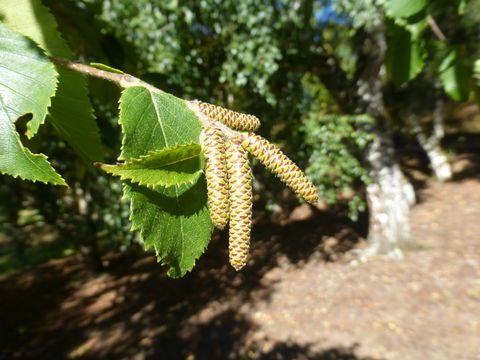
{"points": [[149, 313]]}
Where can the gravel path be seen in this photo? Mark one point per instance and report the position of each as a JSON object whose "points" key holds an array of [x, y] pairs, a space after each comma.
{"points": [[425, 307]]}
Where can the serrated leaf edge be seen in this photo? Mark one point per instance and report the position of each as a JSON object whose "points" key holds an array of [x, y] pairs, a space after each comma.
{"points": [[159, 151], [26, 150], [125, 196], [30, 133], [89, 109], [133, 161], [153, 186], [141, 231]]}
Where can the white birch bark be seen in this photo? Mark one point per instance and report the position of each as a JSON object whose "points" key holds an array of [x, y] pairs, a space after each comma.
{"points": [[431, 144], [390, 195], [389, 198]]}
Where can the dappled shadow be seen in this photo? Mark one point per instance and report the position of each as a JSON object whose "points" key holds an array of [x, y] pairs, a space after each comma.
{"points": [[325, 234], [466, 155], [25, 299], [415, 166], [46, 314], [287, 351], [221, 336], [467, 166], [133, 310], [225, 336]]}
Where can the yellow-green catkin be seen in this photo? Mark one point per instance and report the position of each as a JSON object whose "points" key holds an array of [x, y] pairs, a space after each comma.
{"points": [[213, 146], [233, 119], [275, 160], [240, 188]]}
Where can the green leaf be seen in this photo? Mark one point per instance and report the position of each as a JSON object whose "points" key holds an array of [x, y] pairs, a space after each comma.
{"points": [[167, 167], [476, 79], [416, 24], [462, 5], [404, 8], [455, 76], [476, 71], [27, 82], [175, 221], [71, 112], [405, 58]]}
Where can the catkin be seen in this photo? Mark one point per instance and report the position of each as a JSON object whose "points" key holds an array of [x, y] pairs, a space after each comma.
{"points": [[240, 188], [216, 174], [275, 160], [233, 119]]}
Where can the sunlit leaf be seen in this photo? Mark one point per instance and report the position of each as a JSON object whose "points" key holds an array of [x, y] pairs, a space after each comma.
{"points": [[455, 76], [405, 58], [404, 8], [166, 167], [27, 82], [175, 221], [71, 112]]}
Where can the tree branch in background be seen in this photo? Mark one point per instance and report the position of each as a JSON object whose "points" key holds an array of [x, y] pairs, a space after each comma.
{"points": [[435, 28]]}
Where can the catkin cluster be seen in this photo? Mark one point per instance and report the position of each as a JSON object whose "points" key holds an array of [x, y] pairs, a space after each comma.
{"points": [[233, 119], [240, 188], [229, 176], [216, 175], [275, 160]]}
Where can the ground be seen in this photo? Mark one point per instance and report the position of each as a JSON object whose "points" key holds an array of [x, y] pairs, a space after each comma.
{"points": [[298, 298]]}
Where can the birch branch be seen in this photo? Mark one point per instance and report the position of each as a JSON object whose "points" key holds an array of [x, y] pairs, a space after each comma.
{"points": [[126, 80]]}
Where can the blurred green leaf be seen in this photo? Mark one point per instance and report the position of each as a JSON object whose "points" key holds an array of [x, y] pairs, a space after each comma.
{"points": [[175, 221], [166, 167], [455, 76], [476, 71], [404, 8], [462, 4], [27, 82], [415, 25], [71, 112], [405, 57]]}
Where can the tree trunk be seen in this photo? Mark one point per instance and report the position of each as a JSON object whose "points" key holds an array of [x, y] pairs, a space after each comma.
{"points": [[389, 198], [431, 144], [389, 195]]}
